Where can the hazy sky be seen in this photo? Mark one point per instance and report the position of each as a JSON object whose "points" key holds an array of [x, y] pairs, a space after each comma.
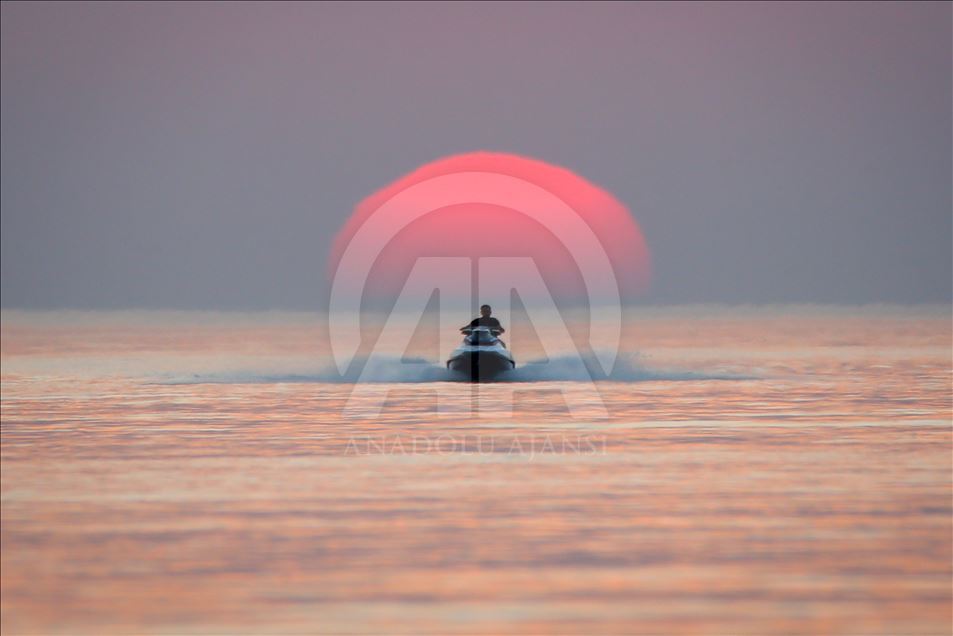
{"points": [[204, 155]]}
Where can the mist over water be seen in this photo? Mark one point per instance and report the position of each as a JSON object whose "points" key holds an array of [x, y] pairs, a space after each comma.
{"points": [[400, 370]]}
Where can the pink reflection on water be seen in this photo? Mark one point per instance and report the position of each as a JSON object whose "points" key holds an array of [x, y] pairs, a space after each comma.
{"points": [[814, 497]]}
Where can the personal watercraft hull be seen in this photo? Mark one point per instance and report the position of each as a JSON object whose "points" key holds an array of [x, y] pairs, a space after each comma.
{"points": [[480, 365]]}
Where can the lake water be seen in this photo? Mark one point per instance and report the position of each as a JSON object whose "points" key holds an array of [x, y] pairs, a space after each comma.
{"points": [[760, 470]]}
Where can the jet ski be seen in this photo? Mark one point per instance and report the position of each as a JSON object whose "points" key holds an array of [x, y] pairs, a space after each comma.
{"points": [[482, 357]]}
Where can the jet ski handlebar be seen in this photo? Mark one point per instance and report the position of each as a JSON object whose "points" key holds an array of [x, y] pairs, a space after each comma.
{"points": [[468, 330]]}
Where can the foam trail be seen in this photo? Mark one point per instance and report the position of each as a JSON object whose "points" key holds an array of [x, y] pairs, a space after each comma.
{"points": [[392, 369], [586, 368], [377, 369]]}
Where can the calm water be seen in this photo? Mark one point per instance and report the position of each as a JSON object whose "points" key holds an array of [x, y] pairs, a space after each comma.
{"points": [[761, 470]]}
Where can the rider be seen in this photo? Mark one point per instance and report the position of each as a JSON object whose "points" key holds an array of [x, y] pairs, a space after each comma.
{"points": [[486, 320]]}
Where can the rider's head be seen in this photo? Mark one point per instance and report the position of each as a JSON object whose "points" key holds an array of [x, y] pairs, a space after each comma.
{"points": [[485, 311]]}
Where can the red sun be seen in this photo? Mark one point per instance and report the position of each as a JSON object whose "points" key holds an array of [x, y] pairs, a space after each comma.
{"points": [[483, 229]]}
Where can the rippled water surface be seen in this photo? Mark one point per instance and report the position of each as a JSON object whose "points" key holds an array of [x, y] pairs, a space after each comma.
{"points": [[761, 470]]}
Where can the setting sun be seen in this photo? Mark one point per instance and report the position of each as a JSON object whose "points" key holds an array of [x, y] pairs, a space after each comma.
{"points": [[479, 229]]}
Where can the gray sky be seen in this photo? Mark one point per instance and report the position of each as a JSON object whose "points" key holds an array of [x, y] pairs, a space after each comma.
{"points": [[203, 156]]}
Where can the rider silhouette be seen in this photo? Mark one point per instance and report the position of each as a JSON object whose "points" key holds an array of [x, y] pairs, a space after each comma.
{"points": [[486, 320]]}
